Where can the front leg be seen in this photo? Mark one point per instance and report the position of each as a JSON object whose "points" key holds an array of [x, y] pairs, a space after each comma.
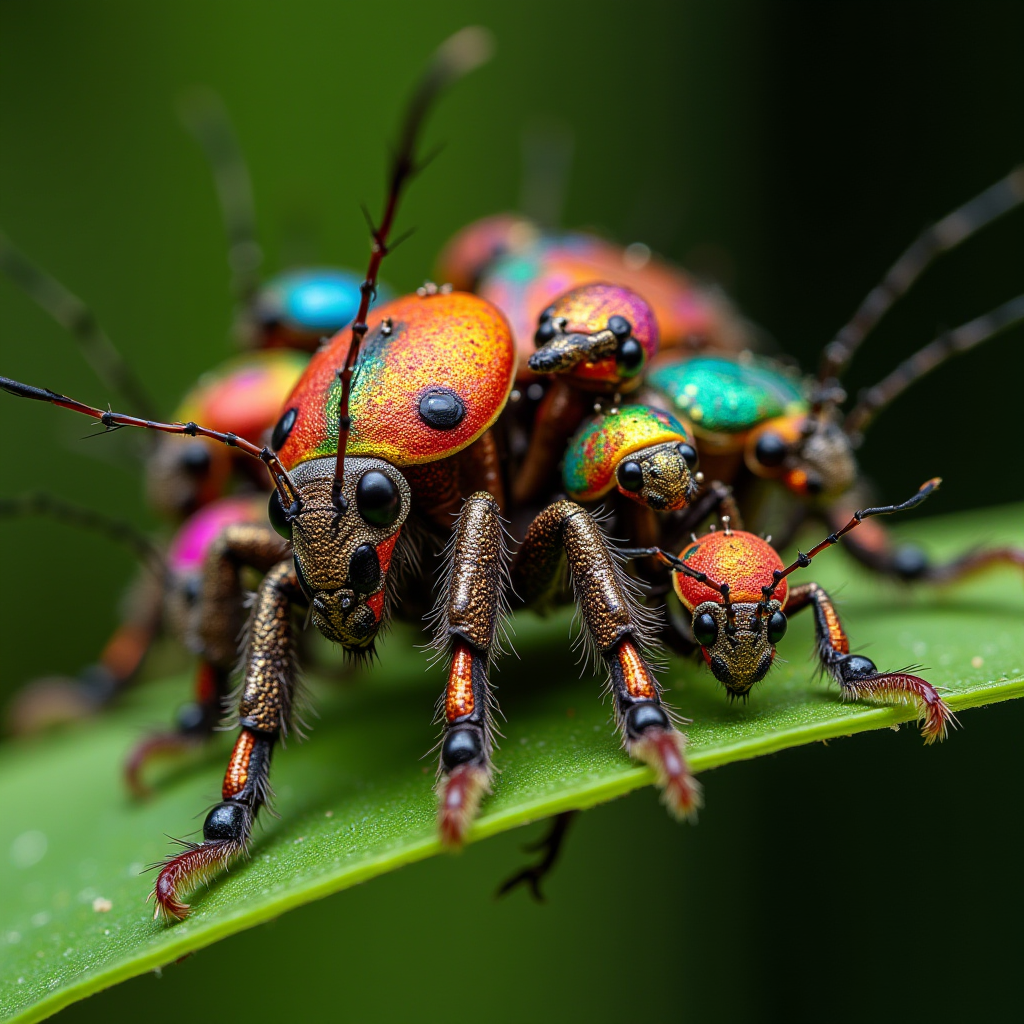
{"points": [[858, 677], [264, 715], [467, 619], [619, 630]]}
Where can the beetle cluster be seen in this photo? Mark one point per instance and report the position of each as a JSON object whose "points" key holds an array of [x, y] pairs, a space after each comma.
{"points": [[412, 439]]}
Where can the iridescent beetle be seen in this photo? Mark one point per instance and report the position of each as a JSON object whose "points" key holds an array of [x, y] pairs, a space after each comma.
{"points": [[375, 437], [735, 586]]}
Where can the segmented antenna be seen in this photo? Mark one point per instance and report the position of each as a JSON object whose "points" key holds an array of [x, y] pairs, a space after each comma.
{"points": [[802, 560], [947, 234], [952, 343], [455, 57], [205, 117], [118, 530], [115, 420], [76, 318]]}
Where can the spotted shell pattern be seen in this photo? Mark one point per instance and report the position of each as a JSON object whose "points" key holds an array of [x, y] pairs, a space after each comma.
{"points": [[455, 344], [243, 396], [196, 535], [603, 441], [722, 396], [743, 560]]}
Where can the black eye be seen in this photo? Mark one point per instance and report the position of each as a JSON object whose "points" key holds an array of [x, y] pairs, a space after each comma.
{"points": [[195, 460], [770, 450], [283, 429], [705, 629], [777, 626], [689, 454], [545, 332], [377, 498], [278, 516], [620, 327], [813, 484], [630, 357], [630, 476], [303, 585]]}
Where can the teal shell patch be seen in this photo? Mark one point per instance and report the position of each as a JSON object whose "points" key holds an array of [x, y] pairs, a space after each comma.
{"points": [[721, 396], [603, 441]]}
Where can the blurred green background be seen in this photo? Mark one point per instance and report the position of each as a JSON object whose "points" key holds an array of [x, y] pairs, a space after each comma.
{"points": [[788, 150]]}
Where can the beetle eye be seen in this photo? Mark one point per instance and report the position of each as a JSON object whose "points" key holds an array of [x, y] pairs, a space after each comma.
{"points": [[705, 629], [377, 498], [777, 626], [545, 332], [770, 450], [620, 327], [630, 476], [630, 357], [689, 454], [278, 516]]}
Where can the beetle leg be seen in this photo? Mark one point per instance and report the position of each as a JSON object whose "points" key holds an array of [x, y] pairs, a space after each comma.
{"points": [[907, 563], [264, 715], [469, 613], [858, 677], [619, 630]]}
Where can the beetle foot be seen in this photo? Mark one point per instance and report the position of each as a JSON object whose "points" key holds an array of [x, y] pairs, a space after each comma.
{"points": [[157, 745], [183, 872], [458, 799], [858, 678], [662, 749]]}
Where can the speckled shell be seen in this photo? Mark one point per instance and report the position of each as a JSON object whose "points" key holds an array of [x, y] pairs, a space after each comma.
{"points": [[243, 396], [743, 560], [193, 540], [587, 310], [524, 283], [472, 250], [457, 342], [602, 441], [721, 396]]}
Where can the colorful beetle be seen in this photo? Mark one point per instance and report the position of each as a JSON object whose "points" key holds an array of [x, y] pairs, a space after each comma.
{"points": [[735, 586]]}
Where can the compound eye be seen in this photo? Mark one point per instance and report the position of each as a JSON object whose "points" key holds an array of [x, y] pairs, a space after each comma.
{"points": [[620, 327], [545, 332], [279, 516], [377, 498], [630, 476], [770, 450], [705, 629], [777, 626], [630, 357], [689, 454]]}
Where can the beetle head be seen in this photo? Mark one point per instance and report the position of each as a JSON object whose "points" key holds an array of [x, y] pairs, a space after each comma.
{"points": [[342, 560], [739, 648], [660, 476]]}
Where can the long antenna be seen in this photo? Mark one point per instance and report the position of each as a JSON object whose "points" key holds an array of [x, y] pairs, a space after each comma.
{"points": [[115, 420], [204, 115], [455, 57], [118, 530], [952, 343], [75, 317], [946, 234]]}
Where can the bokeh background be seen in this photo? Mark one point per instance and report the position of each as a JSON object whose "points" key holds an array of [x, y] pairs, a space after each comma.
{"points": [[790, 151]]}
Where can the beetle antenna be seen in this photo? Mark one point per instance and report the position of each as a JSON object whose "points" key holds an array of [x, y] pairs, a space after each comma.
{"points": [[941, 237], [79, 321], [40, 503], [802, 560], [455, 57], [116, 420], [951, 343], [205, 117]]}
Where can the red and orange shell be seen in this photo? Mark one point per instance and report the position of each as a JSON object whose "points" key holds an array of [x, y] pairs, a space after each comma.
{"points": [[524, 283], [743, 560], [195, 537], [455, 345], [472, 250], [243, 396]]}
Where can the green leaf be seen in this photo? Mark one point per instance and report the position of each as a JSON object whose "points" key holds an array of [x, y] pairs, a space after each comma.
{"points": [[356, 800]]}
